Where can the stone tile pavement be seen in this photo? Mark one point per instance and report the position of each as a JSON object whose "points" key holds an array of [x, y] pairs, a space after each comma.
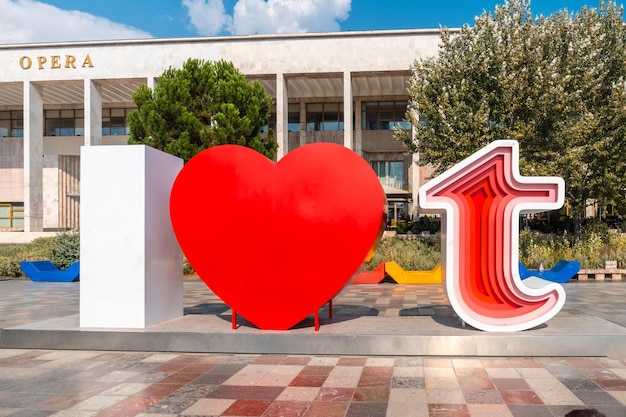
{"points": [[58, 383]]}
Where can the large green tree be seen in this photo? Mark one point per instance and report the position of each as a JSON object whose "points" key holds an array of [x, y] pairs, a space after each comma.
{"points": [[201, 105], [555, 84]]}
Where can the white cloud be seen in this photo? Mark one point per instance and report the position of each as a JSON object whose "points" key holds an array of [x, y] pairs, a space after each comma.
{"points": [[208, 17], [28, 21], [267, 16]]}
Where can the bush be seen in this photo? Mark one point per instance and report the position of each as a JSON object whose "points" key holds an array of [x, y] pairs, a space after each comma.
{"points": [[402, 227], [62, 250], [9, 267], [416, 254], [596, 247], [187, 268], [38, 249], [65, 249]]}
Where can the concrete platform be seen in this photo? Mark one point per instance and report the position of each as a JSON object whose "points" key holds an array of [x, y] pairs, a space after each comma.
{"points": [[405, 336], [368, 319]]}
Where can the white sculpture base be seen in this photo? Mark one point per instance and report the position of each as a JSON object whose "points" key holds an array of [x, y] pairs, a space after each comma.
{"points": [[130, 262]]}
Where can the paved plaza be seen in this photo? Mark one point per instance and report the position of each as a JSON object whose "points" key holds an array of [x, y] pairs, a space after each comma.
{"points": [[48, 382]]}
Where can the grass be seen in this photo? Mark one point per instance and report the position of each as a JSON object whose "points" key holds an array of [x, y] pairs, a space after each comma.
{"points": [[591, 251], [413, 254]]}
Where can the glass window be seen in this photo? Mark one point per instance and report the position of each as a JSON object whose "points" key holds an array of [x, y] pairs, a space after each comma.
{"points": [[118, 125], [17, 131], [293, 119], [67, 127], [384, 115], [79, 126], [11, 215], [70, 122], [293, 122], [314, 116], [331, 117], [114, 121], [324, 116], [11, 124], [52, 123], [380, 168], [63, 122], [5, 128], [18, 215], [390, 173], [106, 122]]}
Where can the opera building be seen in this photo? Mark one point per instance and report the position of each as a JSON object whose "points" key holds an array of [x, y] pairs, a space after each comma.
{"points": [[348, 88]]}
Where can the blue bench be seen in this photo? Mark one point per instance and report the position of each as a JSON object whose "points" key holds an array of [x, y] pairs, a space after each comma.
{"points": [[46, 271], [562, 272]]}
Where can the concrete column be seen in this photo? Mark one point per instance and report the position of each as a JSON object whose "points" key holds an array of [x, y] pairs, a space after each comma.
{"points": [[282, 112], [93, 113], [347, 110], [151, 82], [358, 128], [33, 157], [303, 131]]}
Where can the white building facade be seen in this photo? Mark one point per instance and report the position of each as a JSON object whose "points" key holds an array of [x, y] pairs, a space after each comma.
{"points": [[347, 88]]}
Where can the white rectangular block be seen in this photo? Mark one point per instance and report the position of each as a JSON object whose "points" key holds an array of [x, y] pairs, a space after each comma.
{"points": [[130, 263]]}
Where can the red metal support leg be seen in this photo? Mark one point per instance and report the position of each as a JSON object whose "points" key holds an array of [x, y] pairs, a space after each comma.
{"points": [[234, 319], [330, 308], [317, 320]]}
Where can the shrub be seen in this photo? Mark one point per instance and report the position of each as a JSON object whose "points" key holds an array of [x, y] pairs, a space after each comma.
{"points": [[65, 249], [38, 249], [12, 255], [187, 268], [416, 254], [9, 267], [62, 250], [596, 247]]}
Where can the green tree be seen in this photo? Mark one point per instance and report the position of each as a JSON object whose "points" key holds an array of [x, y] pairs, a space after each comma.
{"points": [[555, 84], [201, 105]]}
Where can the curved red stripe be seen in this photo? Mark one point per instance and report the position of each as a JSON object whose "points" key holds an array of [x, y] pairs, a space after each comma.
{"points": [[481, 195]]}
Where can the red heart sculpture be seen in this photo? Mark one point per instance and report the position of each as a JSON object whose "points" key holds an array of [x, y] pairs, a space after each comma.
{"points": [[276, 241]]}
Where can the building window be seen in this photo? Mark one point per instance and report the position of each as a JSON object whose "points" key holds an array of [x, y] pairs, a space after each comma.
{"points": [[390, 173], [293, 119], [11, 124], [384, 115], [71, 122], [67, 122], [114, 122], [324, 116], [11, 215]]}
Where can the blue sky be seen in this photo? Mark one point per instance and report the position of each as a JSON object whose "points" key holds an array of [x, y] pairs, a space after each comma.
{"points": [[27, 21]]}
